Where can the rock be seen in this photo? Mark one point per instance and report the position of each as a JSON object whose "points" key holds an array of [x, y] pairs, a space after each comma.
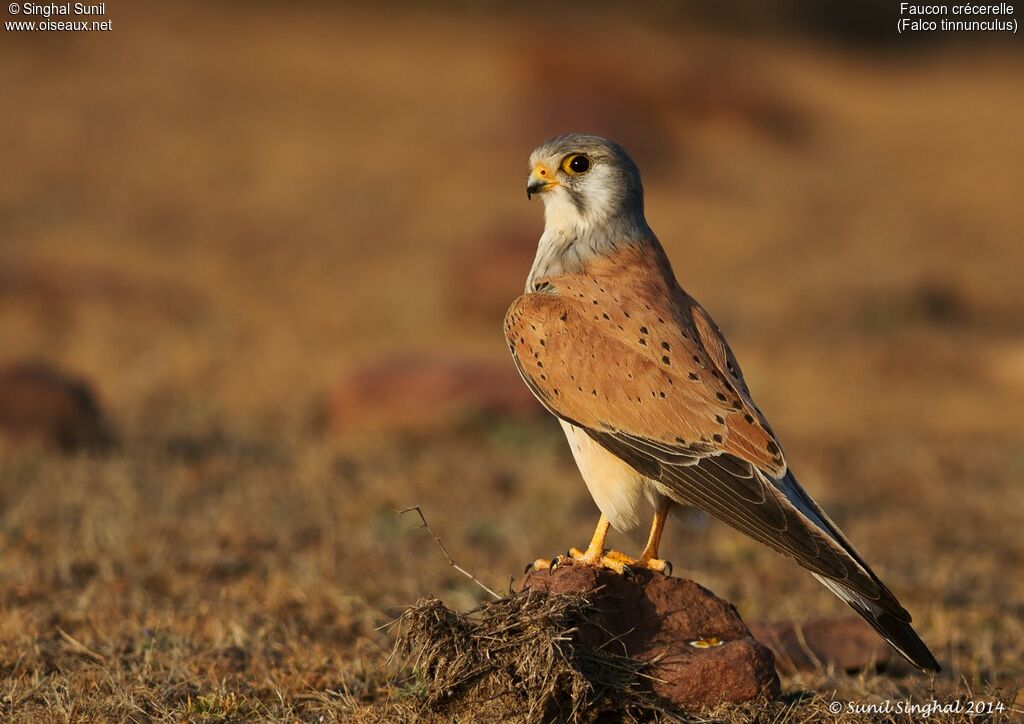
{"points": [[846, 644], [487, 276], [700, 653], [41, 404], [428, 393]]}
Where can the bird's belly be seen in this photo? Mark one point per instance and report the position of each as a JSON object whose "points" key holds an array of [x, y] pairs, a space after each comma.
{"points": [[618, 489]]}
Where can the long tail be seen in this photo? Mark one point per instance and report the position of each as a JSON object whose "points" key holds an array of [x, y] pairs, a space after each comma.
{"points": [[891, 621], [900, 634]]}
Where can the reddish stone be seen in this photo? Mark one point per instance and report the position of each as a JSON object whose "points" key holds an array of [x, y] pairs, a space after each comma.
{"points": [[41, 404], [700, 653], [488, 275], [846, 644], [426, 394]]}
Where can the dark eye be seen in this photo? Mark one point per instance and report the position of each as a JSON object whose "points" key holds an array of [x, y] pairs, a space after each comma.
{"points": [[576, 164]]}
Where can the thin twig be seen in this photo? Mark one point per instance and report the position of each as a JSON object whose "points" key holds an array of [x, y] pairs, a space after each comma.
{"points": [[80, 647], [444, 550]]}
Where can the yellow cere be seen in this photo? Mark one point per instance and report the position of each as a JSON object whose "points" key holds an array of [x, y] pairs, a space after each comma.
{"points": [[543, 173]]}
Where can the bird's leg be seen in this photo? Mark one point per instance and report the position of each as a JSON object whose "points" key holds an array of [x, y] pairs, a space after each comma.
{"points": [[592, 556], [649, 556]]}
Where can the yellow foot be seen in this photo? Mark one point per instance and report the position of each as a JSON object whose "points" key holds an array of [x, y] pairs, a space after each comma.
{"points": [[622, 561], [612, 560]]}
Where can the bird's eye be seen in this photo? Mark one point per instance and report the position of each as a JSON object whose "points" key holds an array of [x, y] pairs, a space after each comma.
{"points": [[576, 164]]}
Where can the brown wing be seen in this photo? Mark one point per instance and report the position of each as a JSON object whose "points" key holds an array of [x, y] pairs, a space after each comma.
{"points": [[647, 389], [585, 351]]}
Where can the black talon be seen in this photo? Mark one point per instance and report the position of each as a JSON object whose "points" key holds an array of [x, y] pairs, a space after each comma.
{"points": [[668, 569], [554, 563], [529, 567], [628, 571]]}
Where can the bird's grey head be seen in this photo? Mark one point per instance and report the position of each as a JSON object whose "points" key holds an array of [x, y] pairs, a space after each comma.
{"points": [[587, 183], [593, 203]]}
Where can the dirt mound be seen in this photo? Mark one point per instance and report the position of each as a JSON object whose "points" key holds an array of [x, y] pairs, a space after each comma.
{"points": [[578, 644], [695, 647]]}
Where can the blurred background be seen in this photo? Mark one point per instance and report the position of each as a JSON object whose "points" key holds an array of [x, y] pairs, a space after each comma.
{"points": [[254, 259]]}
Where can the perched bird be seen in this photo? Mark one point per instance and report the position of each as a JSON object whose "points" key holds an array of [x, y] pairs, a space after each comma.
{"points": [[649, 394]]}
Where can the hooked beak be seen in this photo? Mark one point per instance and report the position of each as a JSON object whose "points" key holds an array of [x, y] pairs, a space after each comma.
{"points": [[541, 179]]}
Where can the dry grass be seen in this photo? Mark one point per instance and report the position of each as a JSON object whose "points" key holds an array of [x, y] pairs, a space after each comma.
{"points": [[515, 657], [214, 212]]}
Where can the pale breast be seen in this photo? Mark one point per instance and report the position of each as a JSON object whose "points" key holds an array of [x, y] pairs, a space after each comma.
{"points": [[618, 490]]}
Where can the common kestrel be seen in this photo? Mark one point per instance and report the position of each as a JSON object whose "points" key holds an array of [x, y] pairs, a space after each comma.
{"points": [[649, 394]]}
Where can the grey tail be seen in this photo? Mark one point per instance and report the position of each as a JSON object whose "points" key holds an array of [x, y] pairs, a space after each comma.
{"points": [[900, 634]]}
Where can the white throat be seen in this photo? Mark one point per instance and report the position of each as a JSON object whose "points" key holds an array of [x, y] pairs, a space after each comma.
{"points": [[571, 239]]}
